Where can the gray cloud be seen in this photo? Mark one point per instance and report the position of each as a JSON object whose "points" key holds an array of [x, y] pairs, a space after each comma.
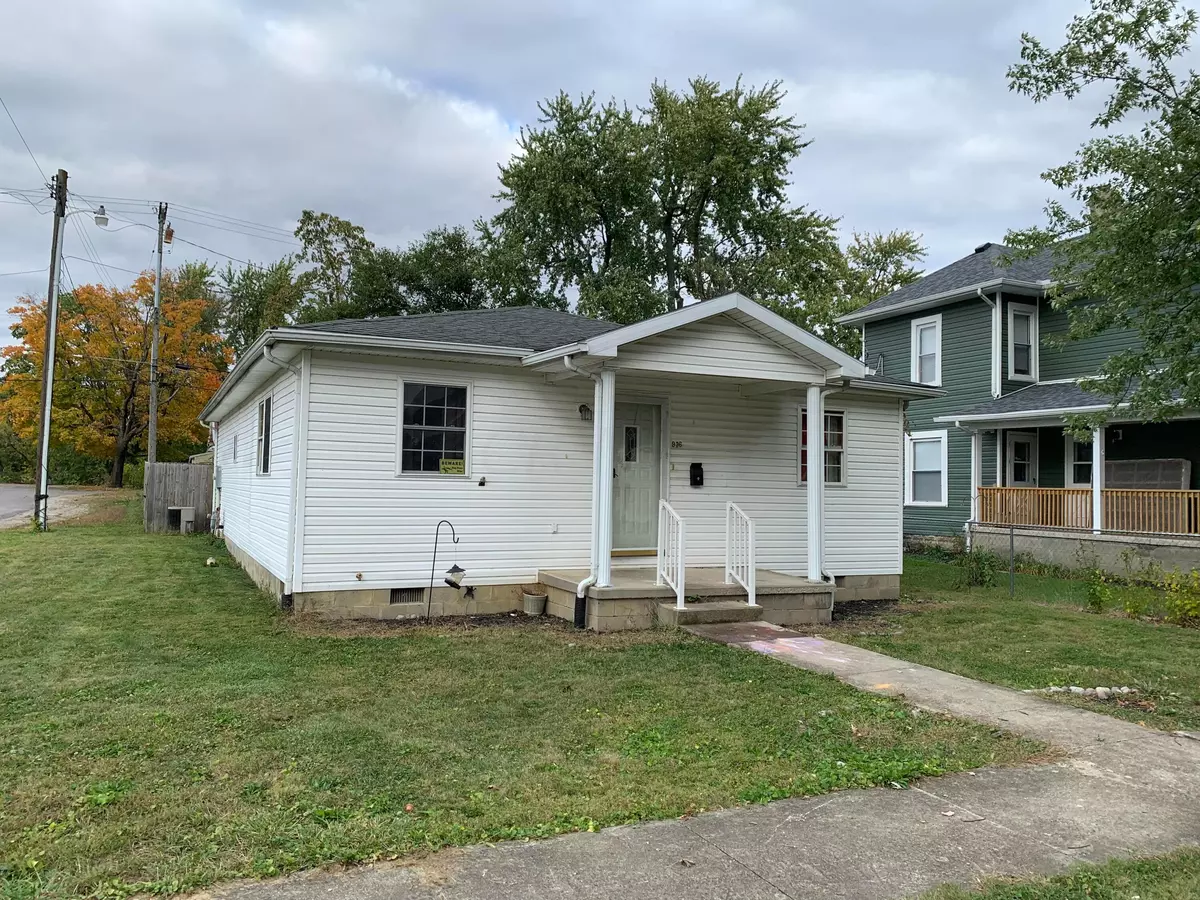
{"points": [[396, 115]]}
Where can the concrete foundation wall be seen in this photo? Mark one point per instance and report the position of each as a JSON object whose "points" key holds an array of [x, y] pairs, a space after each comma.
{"points": [[375, 603], [1119, 554], [257, 571], [866, 587]]}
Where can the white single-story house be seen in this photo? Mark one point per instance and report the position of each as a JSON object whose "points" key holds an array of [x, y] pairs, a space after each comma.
{"points": [[629, 469]]}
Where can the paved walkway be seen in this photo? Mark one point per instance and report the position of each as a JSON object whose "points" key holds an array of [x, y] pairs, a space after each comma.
{"points": [[1121, 791]]}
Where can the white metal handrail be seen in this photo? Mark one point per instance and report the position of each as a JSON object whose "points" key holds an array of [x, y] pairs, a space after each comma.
{"points": [[740, 564], [670, 568]]}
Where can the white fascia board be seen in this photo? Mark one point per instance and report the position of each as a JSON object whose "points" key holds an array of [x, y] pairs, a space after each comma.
{"points": [[607, 344], [1027, 414], [915, 391], [1032, 288], [292, 341]]}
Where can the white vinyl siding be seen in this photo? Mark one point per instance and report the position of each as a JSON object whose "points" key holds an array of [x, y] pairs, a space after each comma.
{"points": [[255, 509], [717, 346], [927, 350], [925, 468], [533, 449]]}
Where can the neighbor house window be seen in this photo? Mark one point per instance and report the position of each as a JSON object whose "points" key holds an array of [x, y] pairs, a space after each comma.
{"points": [[927, 350], [925, 468], [1079, 461], [835, 447], [264, 436], [433, 436], [1022, 342]]}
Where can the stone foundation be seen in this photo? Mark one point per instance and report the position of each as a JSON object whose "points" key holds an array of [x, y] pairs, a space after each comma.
{"points": [[866, 587], [1120, 554]]}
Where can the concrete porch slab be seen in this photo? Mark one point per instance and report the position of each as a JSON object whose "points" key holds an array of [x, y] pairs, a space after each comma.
{"points": [[637, 582]]}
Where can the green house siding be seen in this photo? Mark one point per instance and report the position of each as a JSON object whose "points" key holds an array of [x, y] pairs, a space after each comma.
{"points": [[1076, 358], [966, 376]]}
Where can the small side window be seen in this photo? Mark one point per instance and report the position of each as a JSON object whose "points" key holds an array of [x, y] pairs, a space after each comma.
{"points": [[927, 350], [264, 436]]}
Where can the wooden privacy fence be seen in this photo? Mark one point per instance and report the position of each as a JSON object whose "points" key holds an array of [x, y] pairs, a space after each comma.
{"points": [[1142, 511], [170, 485]]}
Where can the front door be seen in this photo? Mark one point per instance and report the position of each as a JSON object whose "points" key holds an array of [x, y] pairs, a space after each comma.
{"points": [[637, 470], [1022, 459]]}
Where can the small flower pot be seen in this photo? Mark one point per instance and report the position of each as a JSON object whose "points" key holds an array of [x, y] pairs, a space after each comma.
{"points": [[535, 604]]}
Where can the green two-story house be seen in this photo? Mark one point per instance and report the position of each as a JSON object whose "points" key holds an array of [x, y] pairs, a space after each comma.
{"points": [[993, 450]]}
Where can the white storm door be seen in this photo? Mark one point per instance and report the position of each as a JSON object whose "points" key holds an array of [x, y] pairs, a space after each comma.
{"points": [[636, 476]]}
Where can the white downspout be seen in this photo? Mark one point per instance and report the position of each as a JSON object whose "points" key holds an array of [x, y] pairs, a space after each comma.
{"points": [[581, 588], [997, 326]]}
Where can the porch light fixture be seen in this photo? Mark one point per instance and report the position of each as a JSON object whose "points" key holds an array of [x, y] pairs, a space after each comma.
{"points": [[585, 412], [454, 576]]}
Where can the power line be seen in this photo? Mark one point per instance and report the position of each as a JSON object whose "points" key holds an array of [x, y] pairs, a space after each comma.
{"points": [[23, 141], [250, 234], [26, 272], [103, 265]]}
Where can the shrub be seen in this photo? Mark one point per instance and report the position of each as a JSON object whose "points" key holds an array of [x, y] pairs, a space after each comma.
{"points": [[1135, 604], [1101, 590], [980, 568], [1182, 597]]}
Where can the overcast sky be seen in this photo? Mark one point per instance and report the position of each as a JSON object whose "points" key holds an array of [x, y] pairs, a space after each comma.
{"points": [[395, 113]]}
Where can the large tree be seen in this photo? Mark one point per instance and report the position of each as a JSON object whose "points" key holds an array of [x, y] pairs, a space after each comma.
{"points": [[686, 198], [446, 270], [102, 371], [332, 247], [876, 265], [255, 298], [1128, 237]]}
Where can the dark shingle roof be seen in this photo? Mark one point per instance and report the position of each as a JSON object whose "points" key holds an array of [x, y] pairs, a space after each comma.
{"points": [[1038, 398], [985, 264], [531, 328]]}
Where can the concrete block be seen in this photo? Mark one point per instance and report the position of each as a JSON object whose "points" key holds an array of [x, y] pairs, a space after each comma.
{"points": [[707, 613]]}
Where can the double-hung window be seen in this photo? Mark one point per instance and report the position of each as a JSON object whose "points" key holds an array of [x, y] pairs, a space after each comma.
{"points": [[264, 436], [1079, 462], [433, 431], [1022, 342], [834, 450], [925, 468], [927, 350]]}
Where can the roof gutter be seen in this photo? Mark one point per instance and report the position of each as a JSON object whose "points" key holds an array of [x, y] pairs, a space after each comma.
{"points": [[313, 338], [930, 300], [1024, 414], [916, 392]]}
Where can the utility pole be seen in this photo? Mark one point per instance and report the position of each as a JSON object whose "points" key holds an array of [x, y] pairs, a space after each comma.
{"points": [[152, 437], [41, 493]]}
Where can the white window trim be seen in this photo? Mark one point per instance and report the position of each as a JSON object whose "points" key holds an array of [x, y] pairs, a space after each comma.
{"points": [[1034, 337], [1069, 444], [942, 436], [262, 432], [440, 382], [800, 445], [914, 346]]}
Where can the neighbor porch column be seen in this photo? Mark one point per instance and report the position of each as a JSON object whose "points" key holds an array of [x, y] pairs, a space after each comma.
{"points": [[816, 481], [605, 423], [1098, 435], [976, 475]]}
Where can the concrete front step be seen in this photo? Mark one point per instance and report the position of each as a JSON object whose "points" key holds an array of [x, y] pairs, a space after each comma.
{"points": [[708, 612]]}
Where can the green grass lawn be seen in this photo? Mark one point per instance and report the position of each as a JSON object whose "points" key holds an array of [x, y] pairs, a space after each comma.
{"points": [[1045, 636], [1174, 877], [165, 727]]}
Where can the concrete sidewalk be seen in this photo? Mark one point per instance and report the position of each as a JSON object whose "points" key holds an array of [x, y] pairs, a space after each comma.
{"points": [[1122, 791]]}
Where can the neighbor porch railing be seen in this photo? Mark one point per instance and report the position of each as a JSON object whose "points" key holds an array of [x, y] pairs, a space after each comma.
{"points": [[1139, 511], [1053, 507], [671, 534], [739, 550]]}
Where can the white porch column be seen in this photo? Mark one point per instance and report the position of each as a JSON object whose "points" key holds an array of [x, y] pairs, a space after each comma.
{"points": [[597, 402], [1098, 435], [605, 423], [816, 481], [976, 472]]}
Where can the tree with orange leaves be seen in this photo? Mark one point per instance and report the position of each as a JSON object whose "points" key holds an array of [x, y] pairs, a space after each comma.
{"points": [[102, 373]]}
